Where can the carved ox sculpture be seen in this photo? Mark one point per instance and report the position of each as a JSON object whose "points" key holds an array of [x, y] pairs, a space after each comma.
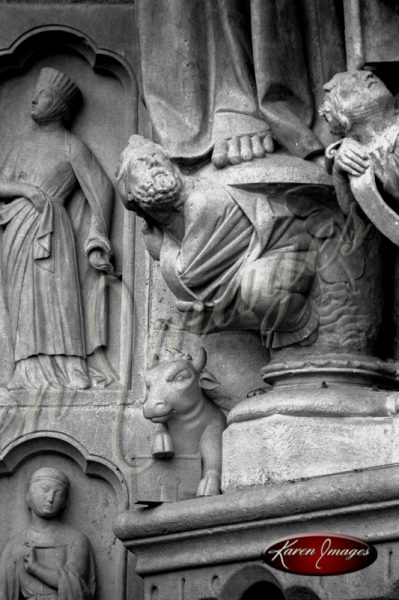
{"points": [[188, 421]]}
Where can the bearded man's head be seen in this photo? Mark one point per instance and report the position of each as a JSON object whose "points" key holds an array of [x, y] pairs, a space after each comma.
{"points": [[147, 177]]}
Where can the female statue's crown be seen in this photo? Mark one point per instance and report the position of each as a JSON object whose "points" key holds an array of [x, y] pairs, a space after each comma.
{"points": [[59, 83]]}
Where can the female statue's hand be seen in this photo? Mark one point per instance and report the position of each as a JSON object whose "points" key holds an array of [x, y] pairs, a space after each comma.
{"points": [[99, 259], [29, 559], [35, 195]]}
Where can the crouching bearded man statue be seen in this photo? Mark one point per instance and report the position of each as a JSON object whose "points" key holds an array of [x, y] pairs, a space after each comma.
{"points": [[48, 559], [229, 259]]}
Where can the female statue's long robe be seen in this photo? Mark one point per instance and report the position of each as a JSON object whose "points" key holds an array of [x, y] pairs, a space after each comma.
{"points": [[39, 253]]}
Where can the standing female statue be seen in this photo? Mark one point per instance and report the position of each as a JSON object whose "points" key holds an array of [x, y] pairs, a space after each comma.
{"points": [[45, 299], [48, 559]]}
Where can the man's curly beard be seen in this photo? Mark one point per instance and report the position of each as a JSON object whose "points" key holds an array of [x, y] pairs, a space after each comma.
{"points": [[163, 187]]}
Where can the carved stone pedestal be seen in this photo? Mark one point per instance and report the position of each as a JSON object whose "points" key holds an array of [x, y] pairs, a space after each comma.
{"points": [[322, 416], [211, 548]]}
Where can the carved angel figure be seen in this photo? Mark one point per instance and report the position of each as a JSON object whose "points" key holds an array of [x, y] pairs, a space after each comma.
{"points": [[48, 559], [46, 298]]}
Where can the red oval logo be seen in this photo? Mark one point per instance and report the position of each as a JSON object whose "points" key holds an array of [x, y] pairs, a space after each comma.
{"points": [[320, 554]]}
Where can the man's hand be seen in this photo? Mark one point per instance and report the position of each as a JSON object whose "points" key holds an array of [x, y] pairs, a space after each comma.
{"points": [[351, 157], [242, 149], [153, 238], [99, 260], [29, 559]]}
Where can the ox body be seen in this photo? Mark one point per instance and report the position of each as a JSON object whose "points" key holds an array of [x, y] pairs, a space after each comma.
{"points": [[188, 421]]}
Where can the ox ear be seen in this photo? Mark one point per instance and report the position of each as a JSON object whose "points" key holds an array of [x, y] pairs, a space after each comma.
{"points": [[199, 360], [208, 381]]}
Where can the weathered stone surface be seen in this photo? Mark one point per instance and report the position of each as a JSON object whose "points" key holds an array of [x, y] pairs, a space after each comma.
{"points": [[207, 541], [281, 448], [49, 304], [188, 422], [231, 89], [54, 555]]}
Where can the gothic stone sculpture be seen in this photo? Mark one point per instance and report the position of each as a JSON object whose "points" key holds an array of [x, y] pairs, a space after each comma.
{"points": [[48, 559], [230, 77], [186, 418], [229, 261], [359, 107], [45, 299]]}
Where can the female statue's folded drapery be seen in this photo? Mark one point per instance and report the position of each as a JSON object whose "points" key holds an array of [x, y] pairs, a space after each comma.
{"points": [[76, 571], [47, 560], [45, 300]]}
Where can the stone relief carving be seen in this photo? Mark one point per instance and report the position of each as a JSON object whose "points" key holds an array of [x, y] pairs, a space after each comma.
{"points": [[220, 253], [187, 420], [49, 558], [360, 108], [242, 260], [236, 82], [52, 311]]}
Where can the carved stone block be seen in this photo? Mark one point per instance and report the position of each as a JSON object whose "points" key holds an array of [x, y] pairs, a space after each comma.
{"points": [[169, 480]]}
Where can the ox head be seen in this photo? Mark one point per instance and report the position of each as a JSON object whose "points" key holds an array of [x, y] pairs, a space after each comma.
{"points": [[174, 387]]}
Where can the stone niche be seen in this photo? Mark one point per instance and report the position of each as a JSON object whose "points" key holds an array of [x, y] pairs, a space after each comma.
{"points": [[103, 122], [94, 48], [81, 432], [96, 495], [309, 439]]}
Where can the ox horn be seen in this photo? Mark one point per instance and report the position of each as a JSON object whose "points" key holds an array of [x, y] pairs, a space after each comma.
{"points": [[199, 361]]}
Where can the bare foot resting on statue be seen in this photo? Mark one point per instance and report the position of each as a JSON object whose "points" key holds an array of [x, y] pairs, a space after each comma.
{"points": [[242, 148]]}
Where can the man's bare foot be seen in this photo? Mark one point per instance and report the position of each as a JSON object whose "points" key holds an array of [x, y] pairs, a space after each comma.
{"points": [[242, 149]]}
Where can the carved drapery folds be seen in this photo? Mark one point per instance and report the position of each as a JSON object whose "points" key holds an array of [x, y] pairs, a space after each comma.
{"points": [[87, 330], [66, 100], [269, 340], [261, 245], [48, 557], [45, 296], [274, 261], [237, 75]]}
